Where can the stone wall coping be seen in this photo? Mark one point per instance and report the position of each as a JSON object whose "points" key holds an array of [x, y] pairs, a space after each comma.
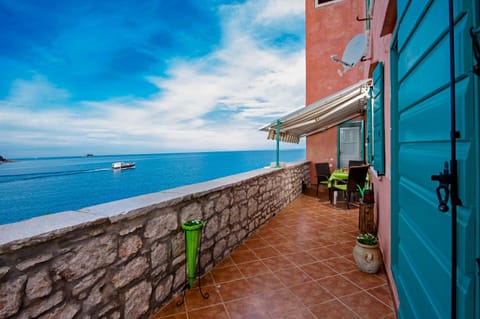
{"points": [[42, 228]]}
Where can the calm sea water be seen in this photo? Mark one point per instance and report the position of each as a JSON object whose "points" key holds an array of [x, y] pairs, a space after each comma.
{"points": [[34, 187]]}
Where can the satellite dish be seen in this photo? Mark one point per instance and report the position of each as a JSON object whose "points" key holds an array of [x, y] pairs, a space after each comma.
{"points": [[353, 52]]}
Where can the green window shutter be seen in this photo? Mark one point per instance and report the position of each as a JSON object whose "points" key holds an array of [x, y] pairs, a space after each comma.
{"points": [[378, 120], [369, 128]]}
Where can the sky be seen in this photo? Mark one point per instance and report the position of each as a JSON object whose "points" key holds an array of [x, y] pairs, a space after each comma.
{"points": [[131, 77]]}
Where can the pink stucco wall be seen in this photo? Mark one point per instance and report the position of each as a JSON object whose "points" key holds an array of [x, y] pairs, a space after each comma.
{"points": [[328, 31], [380, 52]]}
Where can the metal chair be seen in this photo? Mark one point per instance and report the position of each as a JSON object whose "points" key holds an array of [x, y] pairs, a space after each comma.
{"points": [[355, 163], [357, 175], [323, 174]]}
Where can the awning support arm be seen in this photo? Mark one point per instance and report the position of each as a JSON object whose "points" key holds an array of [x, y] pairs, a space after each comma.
{"points": [[278, 143]]}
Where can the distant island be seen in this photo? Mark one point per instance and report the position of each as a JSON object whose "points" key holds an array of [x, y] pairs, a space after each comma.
{"points": [[4, 160], [89, 155]]}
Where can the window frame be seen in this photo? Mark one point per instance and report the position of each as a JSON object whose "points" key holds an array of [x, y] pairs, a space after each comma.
{"points": [[352, 123], [325, 3]]}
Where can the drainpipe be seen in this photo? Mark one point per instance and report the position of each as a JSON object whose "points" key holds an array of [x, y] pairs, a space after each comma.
{"points": [[278, 143]]}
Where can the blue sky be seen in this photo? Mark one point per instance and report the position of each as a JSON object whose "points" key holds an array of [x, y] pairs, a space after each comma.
{"points": [[122, 77]]}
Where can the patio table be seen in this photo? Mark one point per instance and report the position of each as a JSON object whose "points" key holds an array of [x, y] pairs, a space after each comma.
{"points": [[340, 174]]}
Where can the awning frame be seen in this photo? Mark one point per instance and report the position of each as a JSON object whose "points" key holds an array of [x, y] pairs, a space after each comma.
{"points": [[322, 114]]}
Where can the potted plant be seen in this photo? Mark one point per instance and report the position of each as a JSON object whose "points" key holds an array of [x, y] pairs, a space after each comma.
{"points": [[366, 220], [367, 254]]}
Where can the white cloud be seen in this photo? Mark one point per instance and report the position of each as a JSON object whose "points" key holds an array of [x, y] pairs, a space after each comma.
{"points": [[248, 81], [277, 9]]}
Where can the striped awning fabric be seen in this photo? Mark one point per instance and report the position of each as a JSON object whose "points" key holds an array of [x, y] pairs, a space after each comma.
{"points": [[322, 114]]}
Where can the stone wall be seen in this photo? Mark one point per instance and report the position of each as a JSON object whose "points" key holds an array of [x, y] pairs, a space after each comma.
{"points": [[126, 259]]}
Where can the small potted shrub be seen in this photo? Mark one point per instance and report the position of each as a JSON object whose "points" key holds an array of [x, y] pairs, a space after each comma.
{"points": [[366, 253]]}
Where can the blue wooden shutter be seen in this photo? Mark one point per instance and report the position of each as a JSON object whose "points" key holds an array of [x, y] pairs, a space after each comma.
{"points": [[369, 128], [378, 120]]}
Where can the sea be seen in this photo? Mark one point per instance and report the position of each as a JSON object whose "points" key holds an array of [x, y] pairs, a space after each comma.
{"points": [[33, 187]]}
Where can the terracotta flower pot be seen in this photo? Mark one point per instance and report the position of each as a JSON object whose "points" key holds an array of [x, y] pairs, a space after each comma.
{"points": [[368, 258]]}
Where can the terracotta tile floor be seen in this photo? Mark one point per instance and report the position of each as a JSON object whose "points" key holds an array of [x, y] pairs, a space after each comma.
{"points": [[299, 265]]}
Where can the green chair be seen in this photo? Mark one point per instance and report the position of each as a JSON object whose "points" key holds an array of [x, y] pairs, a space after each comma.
{"points": [[357, 175]]}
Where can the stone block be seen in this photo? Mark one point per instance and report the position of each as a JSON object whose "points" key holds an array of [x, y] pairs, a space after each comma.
{"points": [[222, 203], [252, 207], [87, 282], [137, 300], [179, 260], [164, 289], [38, 285], [131, 226], [205, 259], [180, 278], [28, 263], [224, 218], [240, 195], [234, 215], [42, 307], [66, 311], [91, 255], [108, 308], [160, 271], [222, 233], [4, 271], [162, 225], [95, 296], [191, 211], [159, 254], [131, 271], [130, 246], [219, 248], [178, 245], [11, 296], [252, 191], [211, 227], [209, 208]]}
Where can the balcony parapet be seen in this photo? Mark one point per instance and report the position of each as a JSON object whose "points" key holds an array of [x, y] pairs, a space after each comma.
{"points": [[125, 259]]}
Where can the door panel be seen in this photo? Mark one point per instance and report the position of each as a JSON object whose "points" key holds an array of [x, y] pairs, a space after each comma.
{"points": [[420, 110]]}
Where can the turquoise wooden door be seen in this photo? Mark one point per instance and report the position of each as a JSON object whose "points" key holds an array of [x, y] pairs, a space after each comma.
{"points": [[420, 119]]}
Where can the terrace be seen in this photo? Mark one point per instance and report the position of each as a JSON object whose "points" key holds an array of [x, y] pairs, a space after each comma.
{"points": [[298, 265], [268, 251]]}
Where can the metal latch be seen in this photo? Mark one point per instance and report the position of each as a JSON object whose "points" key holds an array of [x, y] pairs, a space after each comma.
{"points": [[443, 191]]}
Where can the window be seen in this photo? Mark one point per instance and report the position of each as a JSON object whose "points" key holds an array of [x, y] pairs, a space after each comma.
{"points": [[367, 14], [320, 3], [375, 122]]}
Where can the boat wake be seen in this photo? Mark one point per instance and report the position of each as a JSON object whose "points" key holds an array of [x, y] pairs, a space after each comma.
{"points": [[30, 176]]}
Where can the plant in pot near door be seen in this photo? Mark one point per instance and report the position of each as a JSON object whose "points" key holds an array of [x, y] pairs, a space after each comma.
{"points": [[367, 254]]}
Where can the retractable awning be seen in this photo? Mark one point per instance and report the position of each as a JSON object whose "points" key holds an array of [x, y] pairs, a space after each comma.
{"points": [[321, 115]]}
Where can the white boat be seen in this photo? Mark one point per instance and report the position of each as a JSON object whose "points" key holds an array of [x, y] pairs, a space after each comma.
{"points": [[123, 165]]}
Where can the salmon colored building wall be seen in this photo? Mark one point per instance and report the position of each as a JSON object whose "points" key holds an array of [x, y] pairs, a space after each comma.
{"points": [[329, 29], [382, 25]]}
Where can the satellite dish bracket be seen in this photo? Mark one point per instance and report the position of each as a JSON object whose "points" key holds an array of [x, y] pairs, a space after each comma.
{"points": [[336, 59], [364, 19]]}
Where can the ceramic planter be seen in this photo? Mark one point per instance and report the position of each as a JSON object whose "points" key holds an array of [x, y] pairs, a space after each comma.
{"points": [[368, 258]]}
